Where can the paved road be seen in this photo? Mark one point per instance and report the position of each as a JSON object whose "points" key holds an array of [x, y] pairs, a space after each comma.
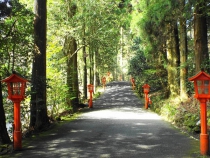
{"points": [[118, 126]]}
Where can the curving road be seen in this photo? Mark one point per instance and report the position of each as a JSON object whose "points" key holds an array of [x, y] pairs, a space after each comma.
{"points": [[118, 126]]}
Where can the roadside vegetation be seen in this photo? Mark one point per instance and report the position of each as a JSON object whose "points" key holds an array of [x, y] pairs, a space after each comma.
{"points": [[166, 54], [76, 43]]}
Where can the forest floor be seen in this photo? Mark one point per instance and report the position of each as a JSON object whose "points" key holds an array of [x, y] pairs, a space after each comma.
{"points": [[117, 126]]}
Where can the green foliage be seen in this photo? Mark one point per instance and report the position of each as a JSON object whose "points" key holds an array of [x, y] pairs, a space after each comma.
{"points": [[168, 111], [144, 70], [99, 24], [157, 101], [96, 22], [16, 52], [96, 95], [184, 115], [16, 39], [58, 90]]}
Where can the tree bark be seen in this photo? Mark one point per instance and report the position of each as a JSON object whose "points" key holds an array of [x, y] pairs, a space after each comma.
{"points": [[72, 73], [173, 60], [200, 37], [39, 117], [85, 65], [4, 137], [70, 47], [91, 78], [183, 53]]}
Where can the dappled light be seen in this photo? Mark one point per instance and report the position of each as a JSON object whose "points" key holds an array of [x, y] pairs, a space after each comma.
{"points": [[116, 114], [104, 73], [116, 126]]}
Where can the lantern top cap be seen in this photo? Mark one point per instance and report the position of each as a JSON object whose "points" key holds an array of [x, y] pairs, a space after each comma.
{"points": [[14, 78], [200, 76], [145, 86]]}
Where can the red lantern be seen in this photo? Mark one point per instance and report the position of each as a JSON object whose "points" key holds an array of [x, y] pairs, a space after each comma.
{"points": [[202, 93], [146, 88], [16, 92], [133, 82], [16, 87], [201, 85], [146, 91], [90, 88], [104, 80]]}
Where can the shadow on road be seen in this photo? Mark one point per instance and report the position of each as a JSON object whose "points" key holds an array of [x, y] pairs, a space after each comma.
{"points": [[116, 127], [117, 95]]}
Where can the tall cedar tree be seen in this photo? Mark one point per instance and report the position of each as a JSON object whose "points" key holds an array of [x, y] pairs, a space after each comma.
{"points": [[39, 118], [173, 57], [4, 137], [70, 47], [183, 52], [200, 35], [85, 64]]}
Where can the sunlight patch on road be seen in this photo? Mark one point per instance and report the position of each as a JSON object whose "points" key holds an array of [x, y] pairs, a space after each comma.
{"points": [[116, 114], [139, 124], [105, 155], [76, 131], [142, 146], [120, 137]]}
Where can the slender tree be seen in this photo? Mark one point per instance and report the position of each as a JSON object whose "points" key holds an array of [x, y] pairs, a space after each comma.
{"points": [[70, 51], [200, 35], [85, 64], [173, 59], [39, 117], [183, 51], [4, 137]]}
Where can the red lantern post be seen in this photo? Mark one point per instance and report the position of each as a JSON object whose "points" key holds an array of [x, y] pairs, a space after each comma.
{"points": [[108, 74], [90, 89], [202, 93], [104, 82], [133, 83], [146, 88], [16, 92]]}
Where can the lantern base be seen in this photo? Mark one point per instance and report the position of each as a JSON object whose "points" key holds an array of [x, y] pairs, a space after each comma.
{"points": [[17, 140], [204, 144], [90, 104]]}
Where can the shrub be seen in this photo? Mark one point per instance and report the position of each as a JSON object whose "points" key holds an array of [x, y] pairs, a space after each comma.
{"points": [[184, 115], [188, 115]]}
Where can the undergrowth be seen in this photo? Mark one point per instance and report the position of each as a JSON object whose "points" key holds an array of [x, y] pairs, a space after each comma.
{"points": [[183, 114]]}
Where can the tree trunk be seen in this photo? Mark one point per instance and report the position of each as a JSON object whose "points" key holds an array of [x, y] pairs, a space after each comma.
{"points": [[94, 69], [200, 37], [91, 78], [72, 73], [121, 53], [85, 66], [33, 100], [70, 48], [173, 60], [4, 137], [38, 97], [183, 54]]}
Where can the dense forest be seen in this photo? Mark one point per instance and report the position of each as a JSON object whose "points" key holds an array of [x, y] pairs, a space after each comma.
{"points": [[62, 46]]}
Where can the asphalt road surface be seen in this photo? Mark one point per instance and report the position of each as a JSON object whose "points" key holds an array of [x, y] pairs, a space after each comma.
{"points": [[117, 126]]}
